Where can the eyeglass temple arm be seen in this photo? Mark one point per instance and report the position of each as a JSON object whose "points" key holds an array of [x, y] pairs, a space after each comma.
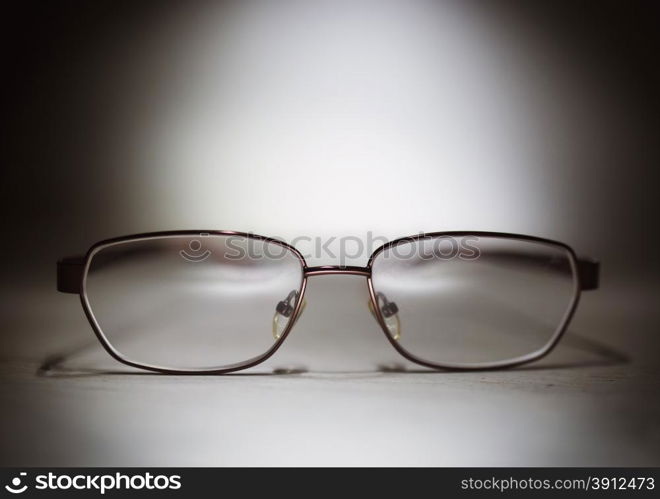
{"points": [[70, 272], [589, 272]]}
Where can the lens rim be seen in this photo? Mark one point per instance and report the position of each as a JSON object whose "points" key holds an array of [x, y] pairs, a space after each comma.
{"points": [[480, 366], [107, 345]]}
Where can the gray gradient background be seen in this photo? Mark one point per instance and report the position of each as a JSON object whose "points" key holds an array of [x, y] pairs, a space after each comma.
{"points": [[328, 119]]}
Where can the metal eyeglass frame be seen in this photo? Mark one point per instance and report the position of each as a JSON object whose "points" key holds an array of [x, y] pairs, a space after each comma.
{"points": [[72, 276]]}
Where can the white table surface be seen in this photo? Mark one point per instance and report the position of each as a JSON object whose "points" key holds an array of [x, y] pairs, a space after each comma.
{"points": [[336, 393]]}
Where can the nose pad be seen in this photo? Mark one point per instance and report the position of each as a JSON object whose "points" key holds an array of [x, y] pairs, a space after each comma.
{"points": [[283, 311], [390, 313]]}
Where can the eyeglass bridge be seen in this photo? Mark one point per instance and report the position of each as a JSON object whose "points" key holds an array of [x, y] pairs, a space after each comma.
{"points": [[337, 269]]}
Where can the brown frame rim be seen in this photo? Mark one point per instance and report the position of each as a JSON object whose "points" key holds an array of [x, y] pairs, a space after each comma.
{"points": [[251, 362], [483, 366], [333, 270]]}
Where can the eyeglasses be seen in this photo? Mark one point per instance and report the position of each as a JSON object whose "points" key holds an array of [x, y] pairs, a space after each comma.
{"points": [[189, 302]]}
